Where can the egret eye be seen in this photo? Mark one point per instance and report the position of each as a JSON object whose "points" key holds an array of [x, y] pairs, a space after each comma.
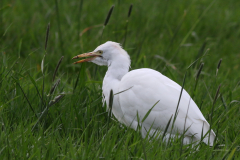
{"points": [[100, 51]]}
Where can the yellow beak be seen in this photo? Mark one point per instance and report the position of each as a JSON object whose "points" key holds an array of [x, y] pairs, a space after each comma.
{"points": [[91, 54]]}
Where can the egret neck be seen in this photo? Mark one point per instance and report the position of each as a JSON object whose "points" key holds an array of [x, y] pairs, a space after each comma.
{"points": [[117, 68]]}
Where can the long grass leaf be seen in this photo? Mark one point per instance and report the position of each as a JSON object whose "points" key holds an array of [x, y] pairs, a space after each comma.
{"points": [[126, 27], [122, 91], [149, 111], [214, 101], [19, 48], [9, 70], [25, 97], [47, 34], [56, 69], [56, 100], [77, 80], [166, 128], [59, 26], [180, 96], [35, 85], [199, 70], [231, 154], [176, 111], [106, 22], [194, 62], [110, 105]]}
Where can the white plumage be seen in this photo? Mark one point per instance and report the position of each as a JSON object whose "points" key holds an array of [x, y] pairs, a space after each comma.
{"points": [[144, 88]]}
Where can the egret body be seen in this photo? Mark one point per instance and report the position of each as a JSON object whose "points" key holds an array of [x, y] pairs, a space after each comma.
{"points": [[142, 89]]}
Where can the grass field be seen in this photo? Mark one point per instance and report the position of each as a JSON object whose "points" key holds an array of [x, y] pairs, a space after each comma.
{"points": [[164, 35]]}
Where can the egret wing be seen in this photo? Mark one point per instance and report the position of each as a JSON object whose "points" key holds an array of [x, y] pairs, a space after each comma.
{"points": [[147, 87]]}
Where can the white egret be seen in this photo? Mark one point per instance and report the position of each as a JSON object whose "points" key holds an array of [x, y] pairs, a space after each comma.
{"points": [[144, 88]]}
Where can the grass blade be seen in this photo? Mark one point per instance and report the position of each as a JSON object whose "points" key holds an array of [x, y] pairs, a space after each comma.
{"points": [[108, 16], [180, 96], [130, 10], [214, 101], [9, 71], [231, 154], [219, 64], [199, 71], [193, 63], [35, 85], [166, 128], [47, 34], [77, 80], [149, 111], [216, 96], [54, 87], [56, 69], [59, 26], [184, 128], [196, 79], [123, 91], [201, 52], [176, 111], [106, 21], [126, 27], [25, 97], [110, 107], [56, 100]]}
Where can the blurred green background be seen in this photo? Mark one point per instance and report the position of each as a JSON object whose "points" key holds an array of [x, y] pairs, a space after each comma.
{"points": [[165, 35]]}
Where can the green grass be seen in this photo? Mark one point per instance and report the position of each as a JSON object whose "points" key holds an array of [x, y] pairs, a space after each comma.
{"points": [[167, 36]]}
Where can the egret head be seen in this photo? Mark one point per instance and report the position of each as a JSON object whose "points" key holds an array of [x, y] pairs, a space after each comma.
{"points": [[106, 54]]}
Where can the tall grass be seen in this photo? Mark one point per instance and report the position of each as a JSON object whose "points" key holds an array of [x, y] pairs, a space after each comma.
{"points": [[168, 36]]}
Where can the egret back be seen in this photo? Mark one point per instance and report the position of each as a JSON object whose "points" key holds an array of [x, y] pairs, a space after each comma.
{"points": [[147, 87]]}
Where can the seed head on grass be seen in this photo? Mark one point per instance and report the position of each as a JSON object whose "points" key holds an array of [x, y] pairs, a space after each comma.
{"points": [[216, 96], [197, 78], [47, 34], [130, 10], [108, 16], [106, 20], [200, 70], [126, 28], [54, 87], [219, 64], [56, 69], [56, 99]]}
